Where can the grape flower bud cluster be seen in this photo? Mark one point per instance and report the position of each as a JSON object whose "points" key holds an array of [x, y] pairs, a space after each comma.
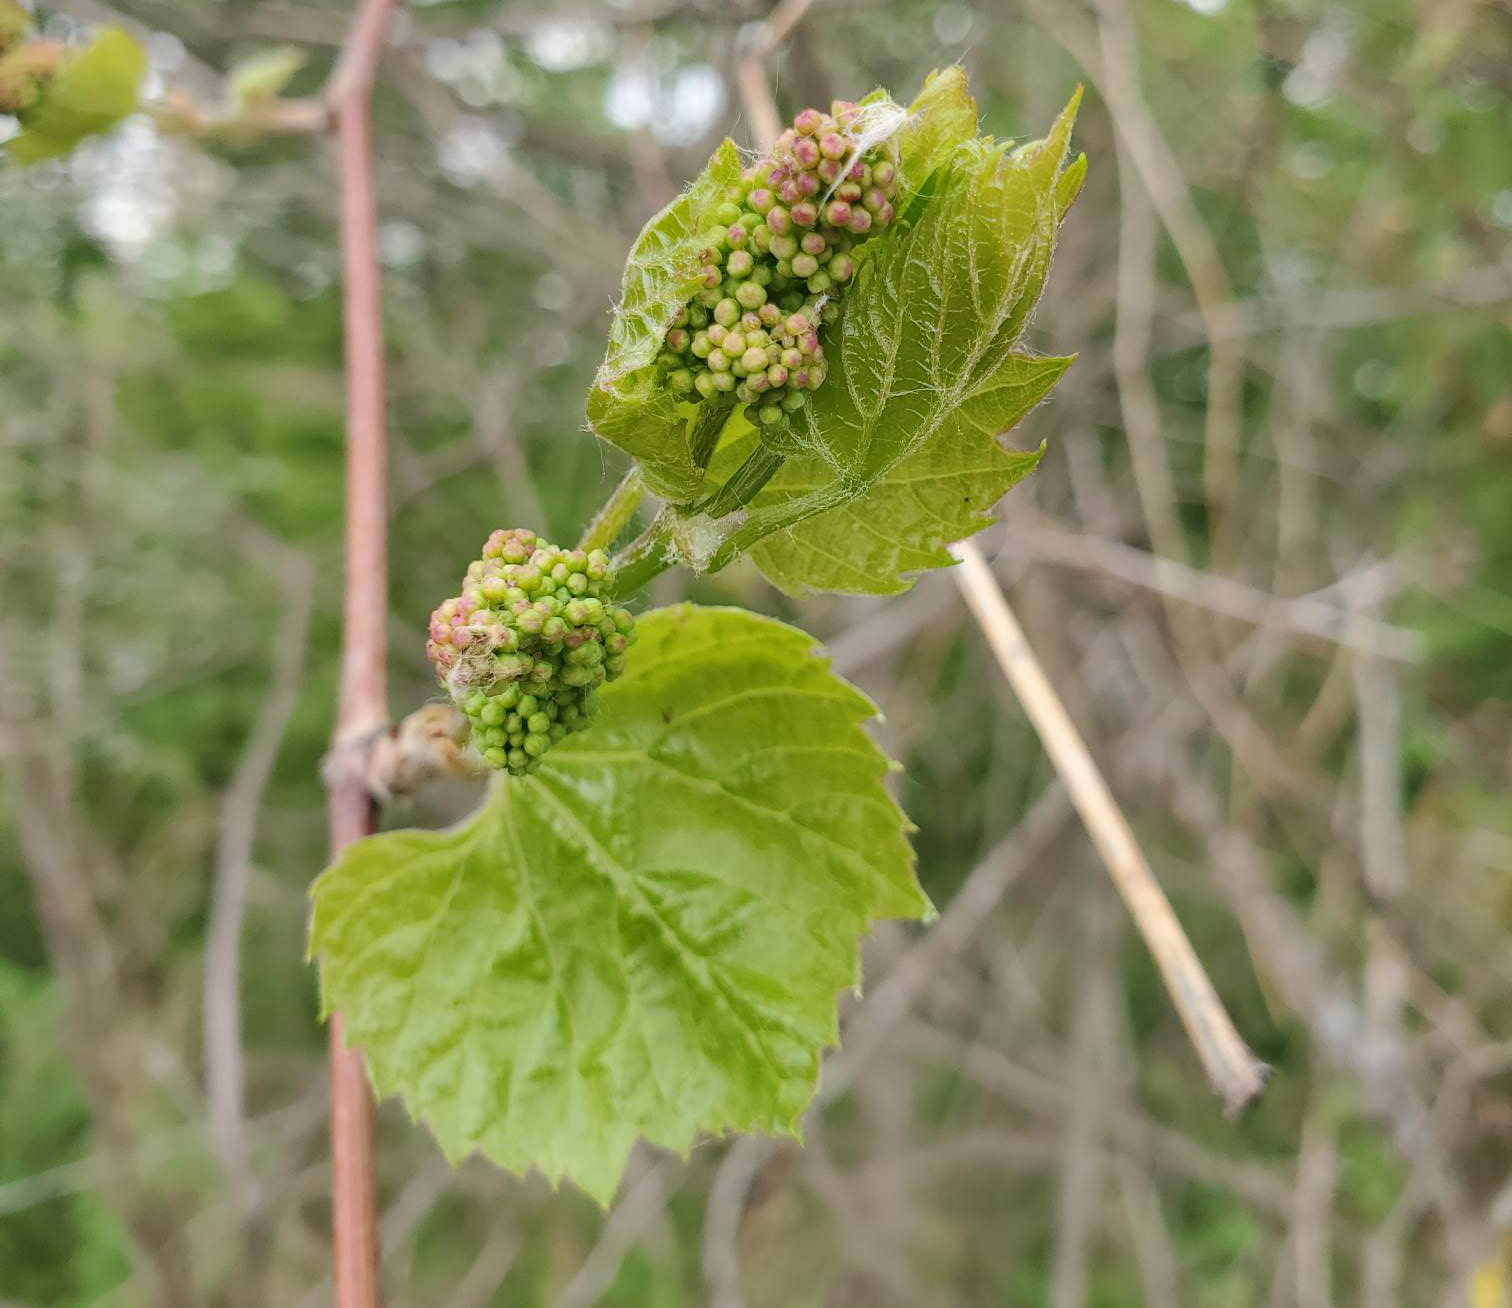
{"points": [[26, 66], [779, 254], [525, 646]]}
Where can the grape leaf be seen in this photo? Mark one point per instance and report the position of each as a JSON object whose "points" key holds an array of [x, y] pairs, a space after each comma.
{"points": [[91, 92], [898, 452], [646, 936], [628, 405]]}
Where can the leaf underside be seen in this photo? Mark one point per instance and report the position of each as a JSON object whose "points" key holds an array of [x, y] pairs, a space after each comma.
{"points": [[646, 937], [629, 406]]}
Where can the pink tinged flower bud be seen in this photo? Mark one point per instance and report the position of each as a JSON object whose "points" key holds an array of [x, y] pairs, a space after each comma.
{"points": [[797, 324], [883, 216], [761, 238], [805, 265], [809, 184], [828, 171], [807, 122], [883, 173], [740, 265], [762, 199], [838, 214], [737, 236], [734, 344], [850, 192], [761, 173], [776, 375], [842, 267], [816, 376], [805, 214], [779, 222], [814, 243], [785, 141], [791, 358], [789, 194], [718, 361], [769, 315], [757, 383], [874, 199], [754, 358], [726, 314], [810, 343], [799, 378], [784, 247], [834, 146], [750, 322], [859, 172], [860, 221], [716, 335], [709, 276], [844, 111], [806, 152], [677, 339]]}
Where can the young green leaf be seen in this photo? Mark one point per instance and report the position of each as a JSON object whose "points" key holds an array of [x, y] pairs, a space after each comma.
{"points": [[942, 117], [900, 450], [91, 92], [646, 936], [628, 406], [263, 76]]}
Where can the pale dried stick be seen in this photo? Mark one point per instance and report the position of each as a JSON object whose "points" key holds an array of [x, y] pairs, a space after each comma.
{"points": [[1237, 1075]]}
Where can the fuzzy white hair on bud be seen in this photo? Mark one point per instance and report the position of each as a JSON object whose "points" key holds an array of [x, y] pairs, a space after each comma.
{"points": [[874, 123]]}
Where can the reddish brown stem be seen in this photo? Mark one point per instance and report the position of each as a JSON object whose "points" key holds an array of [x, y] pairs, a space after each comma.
{"points": [[362, 703]]}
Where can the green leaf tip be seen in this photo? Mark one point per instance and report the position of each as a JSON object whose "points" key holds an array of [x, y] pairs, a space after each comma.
{"points": [[644, 938]]}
